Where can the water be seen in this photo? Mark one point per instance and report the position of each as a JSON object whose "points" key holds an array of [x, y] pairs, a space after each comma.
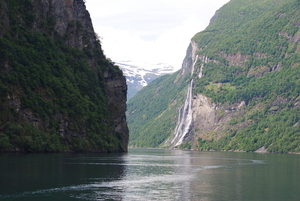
{"points": [[185, 118], [150, 174]]}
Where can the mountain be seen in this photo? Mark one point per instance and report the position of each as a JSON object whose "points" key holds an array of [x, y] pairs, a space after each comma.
{"points": [[58, 91], [140, 74], [238, 88]]}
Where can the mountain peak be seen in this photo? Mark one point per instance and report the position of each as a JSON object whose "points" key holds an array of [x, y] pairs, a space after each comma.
{"points": [[140, 74]]}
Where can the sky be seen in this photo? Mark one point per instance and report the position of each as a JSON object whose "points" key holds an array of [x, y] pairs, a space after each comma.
{"points": [[153, 31]]}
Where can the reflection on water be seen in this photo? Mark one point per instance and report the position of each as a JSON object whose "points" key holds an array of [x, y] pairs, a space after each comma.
{"points": [[150, 174]]}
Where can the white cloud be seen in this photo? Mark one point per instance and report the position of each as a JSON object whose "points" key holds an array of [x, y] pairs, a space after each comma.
{"points": [[150, 30], [171, 45]]}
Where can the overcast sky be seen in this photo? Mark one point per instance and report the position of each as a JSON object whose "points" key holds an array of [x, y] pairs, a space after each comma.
{"points": [[156, 31]]}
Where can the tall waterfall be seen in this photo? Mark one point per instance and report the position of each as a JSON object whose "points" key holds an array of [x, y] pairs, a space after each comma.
{"points": [[185, 119], [184, 124]]}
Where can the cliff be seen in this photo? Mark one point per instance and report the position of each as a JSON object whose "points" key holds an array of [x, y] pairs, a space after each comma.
{"points": [[245, 94], [58, 90]]}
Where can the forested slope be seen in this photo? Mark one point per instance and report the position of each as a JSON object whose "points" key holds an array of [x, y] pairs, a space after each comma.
{"points": [[249, 57], [58, 92], [152, 115]]}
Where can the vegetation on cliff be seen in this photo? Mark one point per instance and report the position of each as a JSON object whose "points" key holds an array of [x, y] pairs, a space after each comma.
{"points": [[53, 96], [252, 50], [265, 74]]}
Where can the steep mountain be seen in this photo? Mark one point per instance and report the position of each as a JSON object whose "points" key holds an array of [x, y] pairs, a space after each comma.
{"points": [[58, 92], [240, 85], [140, 74]]}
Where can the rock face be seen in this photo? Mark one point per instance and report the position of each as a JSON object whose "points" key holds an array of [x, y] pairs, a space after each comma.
{"points": [[206, 119], [116, 91], [204, 113], [189, 60], [66, 12], [211, 119], [68, 22]]}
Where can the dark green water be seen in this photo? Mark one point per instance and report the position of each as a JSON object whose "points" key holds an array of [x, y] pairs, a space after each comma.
{"points": [[150, 174]]}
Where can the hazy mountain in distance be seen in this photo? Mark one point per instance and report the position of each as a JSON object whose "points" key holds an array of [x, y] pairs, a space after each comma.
{"points": [[140, 74]]}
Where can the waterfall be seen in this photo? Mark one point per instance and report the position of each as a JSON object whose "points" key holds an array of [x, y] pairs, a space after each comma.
{"points": [[185, 119], [194, 65], [205, 60], [200, 73]]}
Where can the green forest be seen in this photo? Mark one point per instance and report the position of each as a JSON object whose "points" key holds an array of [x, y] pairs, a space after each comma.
{"points": [[253, 55], [51, 81]]}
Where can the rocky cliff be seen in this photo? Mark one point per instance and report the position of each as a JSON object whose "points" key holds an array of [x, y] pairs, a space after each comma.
{"points": [[58, 90], [209, 120], [245, 94]]}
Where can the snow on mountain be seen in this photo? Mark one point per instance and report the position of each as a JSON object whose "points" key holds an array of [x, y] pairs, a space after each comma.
{"points": [[139, 74]]}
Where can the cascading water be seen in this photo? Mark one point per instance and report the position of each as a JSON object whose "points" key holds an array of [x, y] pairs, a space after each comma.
{"points": [[185, 119], [205, 60], [196, 59], [200, 73]]}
